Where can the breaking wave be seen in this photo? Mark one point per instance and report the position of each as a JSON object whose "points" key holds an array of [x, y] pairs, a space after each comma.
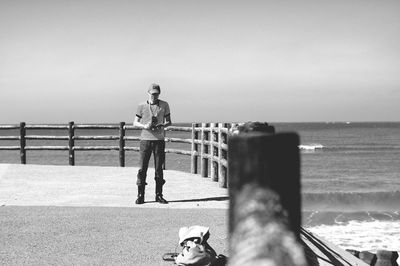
{"points": [[352, 201], [316, 218], [311, 147], [349, 147]]}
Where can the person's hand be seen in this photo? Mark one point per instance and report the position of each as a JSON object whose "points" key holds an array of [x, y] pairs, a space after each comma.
{"points": [[147, 126], [160, 126]]}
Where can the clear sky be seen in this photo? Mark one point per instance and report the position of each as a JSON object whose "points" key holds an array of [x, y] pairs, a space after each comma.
{"points": [[92, 61]]}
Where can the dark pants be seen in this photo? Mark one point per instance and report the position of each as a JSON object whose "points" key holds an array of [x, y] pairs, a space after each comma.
{"points": [[147, 147]]}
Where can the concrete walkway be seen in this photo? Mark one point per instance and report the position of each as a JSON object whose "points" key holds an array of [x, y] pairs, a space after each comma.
{"points": [[84, 215], [45, 234], [89, 186]]}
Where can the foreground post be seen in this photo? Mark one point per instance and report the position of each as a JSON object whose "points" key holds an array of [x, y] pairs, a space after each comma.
{"points": [[264, 188], [386, 258]]}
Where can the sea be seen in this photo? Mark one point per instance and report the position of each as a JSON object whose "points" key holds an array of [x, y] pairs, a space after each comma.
{"points": [[350, 175]]}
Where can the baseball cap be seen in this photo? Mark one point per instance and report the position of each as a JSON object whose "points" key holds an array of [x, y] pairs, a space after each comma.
{"points": [[154, 88]]}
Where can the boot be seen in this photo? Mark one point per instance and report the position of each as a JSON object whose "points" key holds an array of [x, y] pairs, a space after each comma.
{"points": [[160, 199], [159, 195], [140, 198]]}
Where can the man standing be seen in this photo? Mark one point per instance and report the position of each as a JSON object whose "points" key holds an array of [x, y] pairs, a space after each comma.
{"points": [[152, 117]]}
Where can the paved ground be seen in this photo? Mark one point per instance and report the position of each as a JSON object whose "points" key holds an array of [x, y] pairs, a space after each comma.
{"points": [[39, 185], [62, 215], [100, 235]]}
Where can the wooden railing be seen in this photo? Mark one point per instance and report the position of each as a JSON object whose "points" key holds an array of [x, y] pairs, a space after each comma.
{"points": [[207, 142]]}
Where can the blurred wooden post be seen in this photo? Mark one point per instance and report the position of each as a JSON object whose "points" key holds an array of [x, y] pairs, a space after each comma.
{"points": [[386, 258], [204, 150], [214, 151], [71, 143], [222, 154], [368, 257], [194, 149], [264, 189], [22, 142], [122, 144]]}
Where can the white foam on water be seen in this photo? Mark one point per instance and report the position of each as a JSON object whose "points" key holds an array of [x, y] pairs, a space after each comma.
{"points": [[362, 236], [311, 147]]}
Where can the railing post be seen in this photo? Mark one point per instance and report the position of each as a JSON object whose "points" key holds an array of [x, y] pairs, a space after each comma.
{"points": [[194, 149], [214, 151], [222, 155], [122, 144], [265, 209], [204, 151], [71, 143], [22, 142]]}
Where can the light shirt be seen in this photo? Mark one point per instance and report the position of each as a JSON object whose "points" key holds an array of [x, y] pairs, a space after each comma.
{"points": [[146, 111]]}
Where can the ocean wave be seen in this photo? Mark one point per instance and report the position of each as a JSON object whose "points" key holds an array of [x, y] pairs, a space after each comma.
{"points": [[361, 235], [350, 147], [343, 218], [311, 147], [352, 201]]}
